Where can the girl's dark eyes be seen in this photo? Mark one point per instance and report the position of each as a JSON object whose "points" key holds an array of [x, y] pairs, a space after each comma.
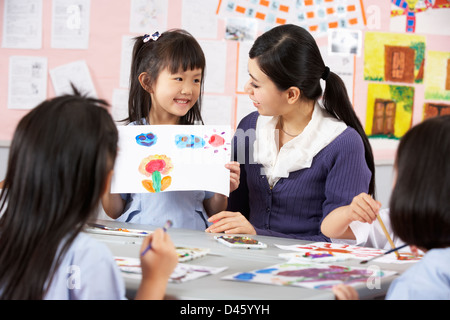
{"points": [[181, 79], [254, 85]]}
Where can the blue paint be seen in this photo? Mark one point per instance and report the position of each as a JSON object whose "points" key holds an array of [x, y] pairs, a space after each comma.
{"points": [[267, 270], [146, 139], [244, 276], [189, 141]]}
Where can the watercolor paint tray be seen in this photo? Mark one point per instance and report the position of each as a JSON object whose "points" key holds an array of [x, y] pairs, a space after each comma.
{"points": [[240, 242], [187, 254]]}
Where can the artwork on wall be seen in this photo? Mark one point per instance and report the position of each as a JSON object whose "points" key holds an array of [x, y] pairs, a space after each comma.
{"points": [[165, 158], [437, 74], [317, 16], [389, 110], [420, 16], [394, 57]]}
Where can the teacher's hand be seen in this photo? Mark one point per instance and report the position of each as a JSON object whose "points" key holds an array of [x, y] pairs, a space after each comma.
{"points": [[230, 222]]}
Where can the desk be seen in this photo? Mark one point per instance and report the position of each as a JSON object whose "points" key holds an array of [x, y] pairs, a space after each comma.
{"points": [[212, 287]]}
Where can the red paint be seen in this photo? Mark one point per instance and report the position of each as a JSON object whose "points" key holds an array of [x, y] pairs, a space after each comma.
{"points": [[216, 140], [155, 165]]}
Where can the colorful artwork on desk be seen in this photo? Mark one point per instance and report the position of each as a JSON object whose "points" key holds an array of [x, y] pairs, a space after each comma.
{"points": [[183, 272], [163, 158], [345, 251], [309, 275]]}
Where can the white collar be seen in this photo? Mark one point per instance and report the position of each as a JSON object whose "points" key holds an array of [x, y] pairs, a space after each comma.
{"points": [[297, 153]]}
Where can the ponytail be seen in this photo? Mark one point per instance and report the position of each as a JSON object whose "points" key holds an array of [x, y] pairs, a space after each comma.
{"points": [[336, 101]]}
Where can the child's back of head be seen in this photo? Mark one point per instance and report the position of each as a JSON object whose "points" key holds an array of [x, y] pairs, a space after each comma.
{"points": [[420, 205], [59, 161]]}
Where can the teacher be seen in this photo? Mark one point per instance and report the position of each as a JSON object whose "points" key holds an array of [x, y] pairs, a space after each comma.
{"points": [[301, 157]]}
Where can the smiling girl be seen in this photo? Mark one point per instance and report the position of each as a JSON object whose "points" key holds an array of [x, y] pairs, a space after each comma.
{"points": [[166, 83]]}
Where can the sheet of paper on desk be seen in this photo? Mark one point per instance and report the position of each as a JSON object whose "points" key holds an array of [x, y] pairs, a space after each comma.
{"points": [[183, 271], [172, 158], [102, 229], [315, 276], [340, 251]]}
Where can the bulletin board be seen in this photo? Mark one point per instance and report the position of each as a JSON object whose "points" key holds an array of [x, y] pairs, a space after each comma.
{"points": [[394, 56]]}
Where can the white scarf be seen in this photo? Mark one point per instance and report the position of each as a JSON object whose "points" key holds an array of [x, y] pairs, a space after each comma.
{"points": [[297, 153]]}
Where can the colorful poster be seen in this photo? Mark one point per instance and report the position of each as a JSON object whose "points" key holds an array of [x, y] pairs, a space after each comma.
{"points": [[420, 16], [172, 158], [317, 16]]}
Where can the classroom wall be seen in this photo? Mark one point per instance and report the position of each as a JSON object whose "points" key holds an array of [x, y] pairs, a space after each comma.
{"points": [[101, 49]]}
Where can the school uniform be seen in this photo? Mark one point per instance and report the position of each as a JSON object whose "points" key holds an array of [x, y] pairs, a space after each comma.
{"points": [[87, 272], [428, 279]]}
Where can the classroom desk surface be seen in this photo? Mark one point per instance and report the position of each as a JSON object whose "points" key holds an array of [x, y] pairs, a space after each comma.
{"points": [[212, 287]]}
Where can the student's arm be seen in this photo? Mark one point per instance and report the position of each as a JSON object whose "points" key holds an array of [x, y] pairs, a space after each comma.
{"points": [[219, 202], [363, 208], [157, 265], [113, 204]]}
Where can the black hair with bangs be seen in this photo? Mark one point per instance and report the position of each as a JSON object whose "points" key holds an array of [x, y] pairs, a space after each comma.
{"points": [[174, 49]]}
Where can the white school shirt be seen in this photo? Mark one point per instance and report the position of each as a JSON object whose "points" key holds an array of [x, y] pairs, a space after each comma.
{"points": [[297, 153], [372, 235], [87, 272]]}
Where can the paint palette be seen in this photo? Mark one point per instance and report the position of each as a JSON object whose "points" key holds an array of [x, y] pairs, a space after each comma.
{"points": [[187, 254], [102, 229], [240, 242]]}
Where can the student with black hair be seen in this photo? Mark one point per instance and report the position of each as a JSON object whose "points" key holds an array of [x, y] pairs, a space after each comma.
{"points": [[166, 83], [60, 163], [420, 212]]}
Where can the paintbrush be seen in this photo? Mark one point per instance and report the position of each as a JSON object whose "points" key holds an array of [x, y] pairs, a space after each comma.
{"points": [[383, 254], [166, 226], [386, 233]]}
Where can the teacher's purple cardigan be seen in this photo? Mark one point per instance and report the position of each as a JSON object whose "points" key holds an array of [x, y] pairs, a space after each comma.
{"points": [[296, 205]]}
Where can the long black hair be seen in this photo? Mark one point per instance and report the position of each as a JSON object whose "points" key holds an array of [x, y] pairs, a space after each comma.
{"points": [[289, 56], [174, 49], [420, 205], [58, 164]]}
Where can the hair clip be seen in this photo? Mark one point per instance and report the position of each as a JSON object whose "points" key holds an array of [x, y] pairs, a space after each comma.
{"points": [[154, 37]]}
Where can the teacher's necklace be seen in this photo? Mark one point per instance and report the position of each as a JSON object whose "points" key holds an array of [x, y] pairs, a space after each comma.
{"points": [[281, 127]]}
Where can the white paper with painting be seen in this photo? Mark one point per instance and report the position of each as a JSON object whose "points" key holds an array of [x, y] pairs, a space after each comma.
{"points": [[164, 158]]}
